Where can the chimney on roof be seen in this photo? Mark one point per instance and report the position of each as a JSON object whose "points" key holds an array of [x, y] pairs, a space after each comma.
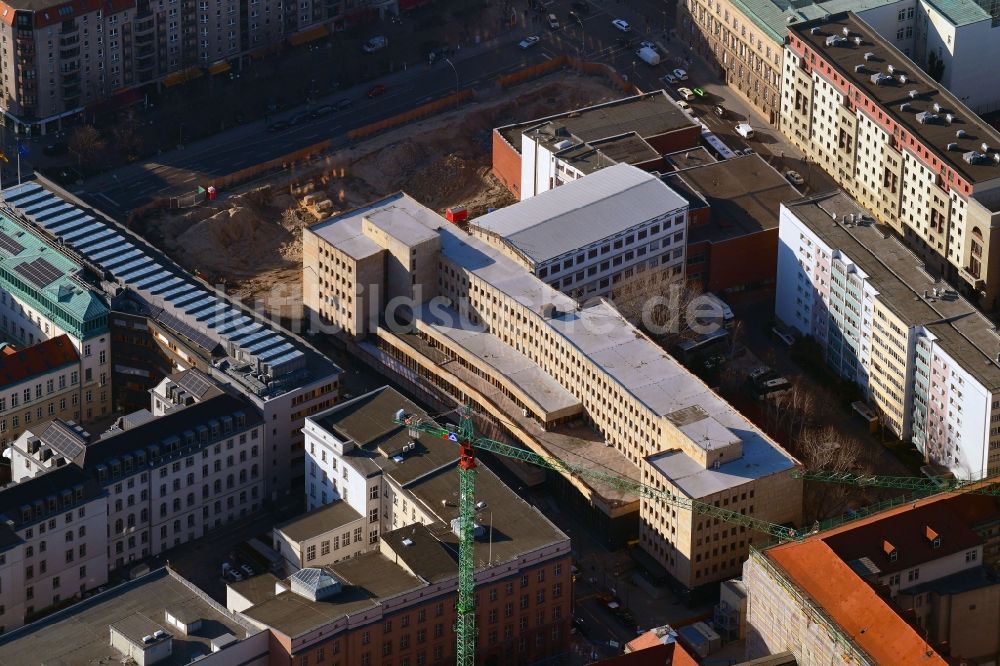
{"points": [[847, 31], [890, 550], [933, 537]]}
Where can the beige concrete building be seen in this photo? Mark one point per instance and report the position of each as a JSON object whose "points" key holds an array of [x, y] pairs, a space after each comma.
{"points": [[320, 537], [576, 382], [899, 143]]}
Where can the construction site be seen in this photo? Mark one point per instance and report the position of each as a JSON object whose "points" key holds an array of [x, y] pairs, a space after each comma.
{"points": [[251, 240]]}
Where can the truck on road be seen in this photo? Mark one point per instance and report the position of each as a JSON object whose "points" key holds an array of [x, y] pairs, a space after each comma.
{"points": [[648, 55]]}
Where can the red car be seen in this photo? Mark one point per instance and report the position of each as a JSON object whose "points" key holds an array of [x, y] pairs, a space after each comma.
{"points": [[375, 91]]}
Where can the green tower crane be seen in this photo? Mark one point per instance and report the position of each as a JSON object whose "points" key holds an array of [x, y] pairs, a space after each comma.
{"points": [[469, 442], [919, 484]]}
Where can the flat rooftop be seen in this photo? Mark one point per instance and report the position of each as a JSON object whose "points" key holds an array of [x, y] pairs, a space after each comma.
{"points": [[366, 579], [213, 321], [598, 331], [319, 521], [582, 212], [507, 362], [596, 155], [79, 635], [845, 56], [647, 115], [367, 420], [685, 159], [819, 567], [743, 195], [903, 284]]}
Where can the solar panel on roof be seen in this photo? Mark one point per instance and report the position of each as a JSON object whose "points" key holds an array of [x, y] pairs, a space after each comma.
{"points": [[195, 382], [118, 251], [66, 444], [225, 319], [38, 272], [152, 280], [276, 352], [20, 190], [256, 336], [245, 332], [121, 267], [98, 236], [284, 359], [9, 244], [137, 273], [170, 284], [232, 325], [65, 218], [82, 233], [104, 244], [71, 226], [55, 210], [265, 344], [199, 305], [188, 297], [177, 292], [188, 331]]}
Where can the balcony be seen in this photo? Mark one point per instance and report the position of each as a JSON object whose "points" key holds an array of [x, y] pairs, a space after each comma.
{"points": [[972, 276], [69, 40]]}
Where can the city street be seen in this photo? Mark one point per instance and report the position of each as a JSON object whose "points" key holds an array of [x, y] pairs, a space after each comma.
{"points": [[591, 36]]}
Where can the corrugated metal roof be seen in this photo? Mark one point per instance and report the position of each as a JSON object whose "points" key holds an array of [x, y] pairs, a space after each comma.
{"points": [[582, 212]]}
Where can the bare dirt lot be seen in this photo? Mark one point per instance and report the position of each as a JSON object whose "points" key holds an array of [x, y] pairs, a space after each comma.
{"points": [[252, 241]]}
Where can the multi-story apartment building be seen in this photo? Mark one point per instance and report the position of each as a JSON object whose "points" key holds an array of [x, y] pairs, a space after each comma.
{"points": [[191, 325], [54, 542], [541, 154], [61, 57], [926, 359], [585, 237], [910, 585], [44, 294], [557, 377], [393, 514], [899, 143], [168, 480], [38, 383], [745, 41]]}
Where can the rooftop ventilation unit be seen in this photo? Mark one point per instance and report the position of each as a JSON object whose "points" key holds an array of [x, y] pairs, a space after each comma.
{"points": [[905, 106], [407, 541], [869, 56], [563, 145], [996, 157], [953, 146], [902, 78], [937, 107], [960, 134], [790, 19], [814, 30], [881, 79], [913, 94], [890, 69], [928, 118], [985, 147], [836, 40], [975, 157], [846, 31], [857, 40], [859, 68]]}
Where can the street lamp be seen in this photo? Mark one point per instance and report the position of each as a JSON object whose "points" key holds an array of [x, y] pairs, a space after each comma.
{"points": [[454, 69]]}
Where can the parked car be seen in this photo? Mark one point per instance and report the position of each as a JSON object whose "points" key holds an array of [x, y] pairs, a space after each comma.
{"points": [[321, 111], [647, 45], [785, 337], [685, 93], [681, 74], [278, 125], [376, 90], [719, 111], [528, 42], [374, 44], [621, 25], [744, 130], [795, 178], [553, 22], [684, 105], [669, 79]]}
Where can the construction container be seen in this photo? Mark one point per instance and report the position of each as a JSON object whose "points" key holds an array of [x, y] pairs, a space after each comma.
{"points": [[457, 214]]}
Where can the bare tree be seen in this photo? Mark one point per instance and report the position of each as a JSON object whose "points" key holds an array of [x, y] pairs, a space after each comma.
{"points": [[126, 136], [831, 451], [664, 305], [87, 143]]}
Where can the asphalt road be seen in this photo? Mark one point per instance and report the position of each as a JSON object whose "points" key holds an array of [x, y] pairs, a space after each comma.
{"points": [[593, 37]]}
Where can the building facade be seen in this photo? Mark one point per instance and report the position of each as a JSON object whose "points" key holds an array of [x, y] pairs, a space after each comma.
{"points": [[535, 359], [61, 57], [905, 148], [924, 357], [887, 585], [190, 325], [586, 237]]}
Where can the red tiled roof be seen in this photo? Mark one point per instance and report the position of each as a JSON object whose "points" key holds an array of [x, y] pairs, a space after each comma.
{"points": [[818, 566], [36, 360]]}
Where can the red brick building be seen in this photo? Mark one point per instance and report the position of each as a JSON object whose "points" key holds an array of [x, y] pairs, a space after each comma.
{"points": [[540, 154], [732, 221]]}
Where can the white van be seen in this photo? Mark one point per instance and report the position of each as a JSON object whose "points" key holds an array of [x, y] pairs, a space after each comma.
{"points": [[744, 130], [720, 306]]}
